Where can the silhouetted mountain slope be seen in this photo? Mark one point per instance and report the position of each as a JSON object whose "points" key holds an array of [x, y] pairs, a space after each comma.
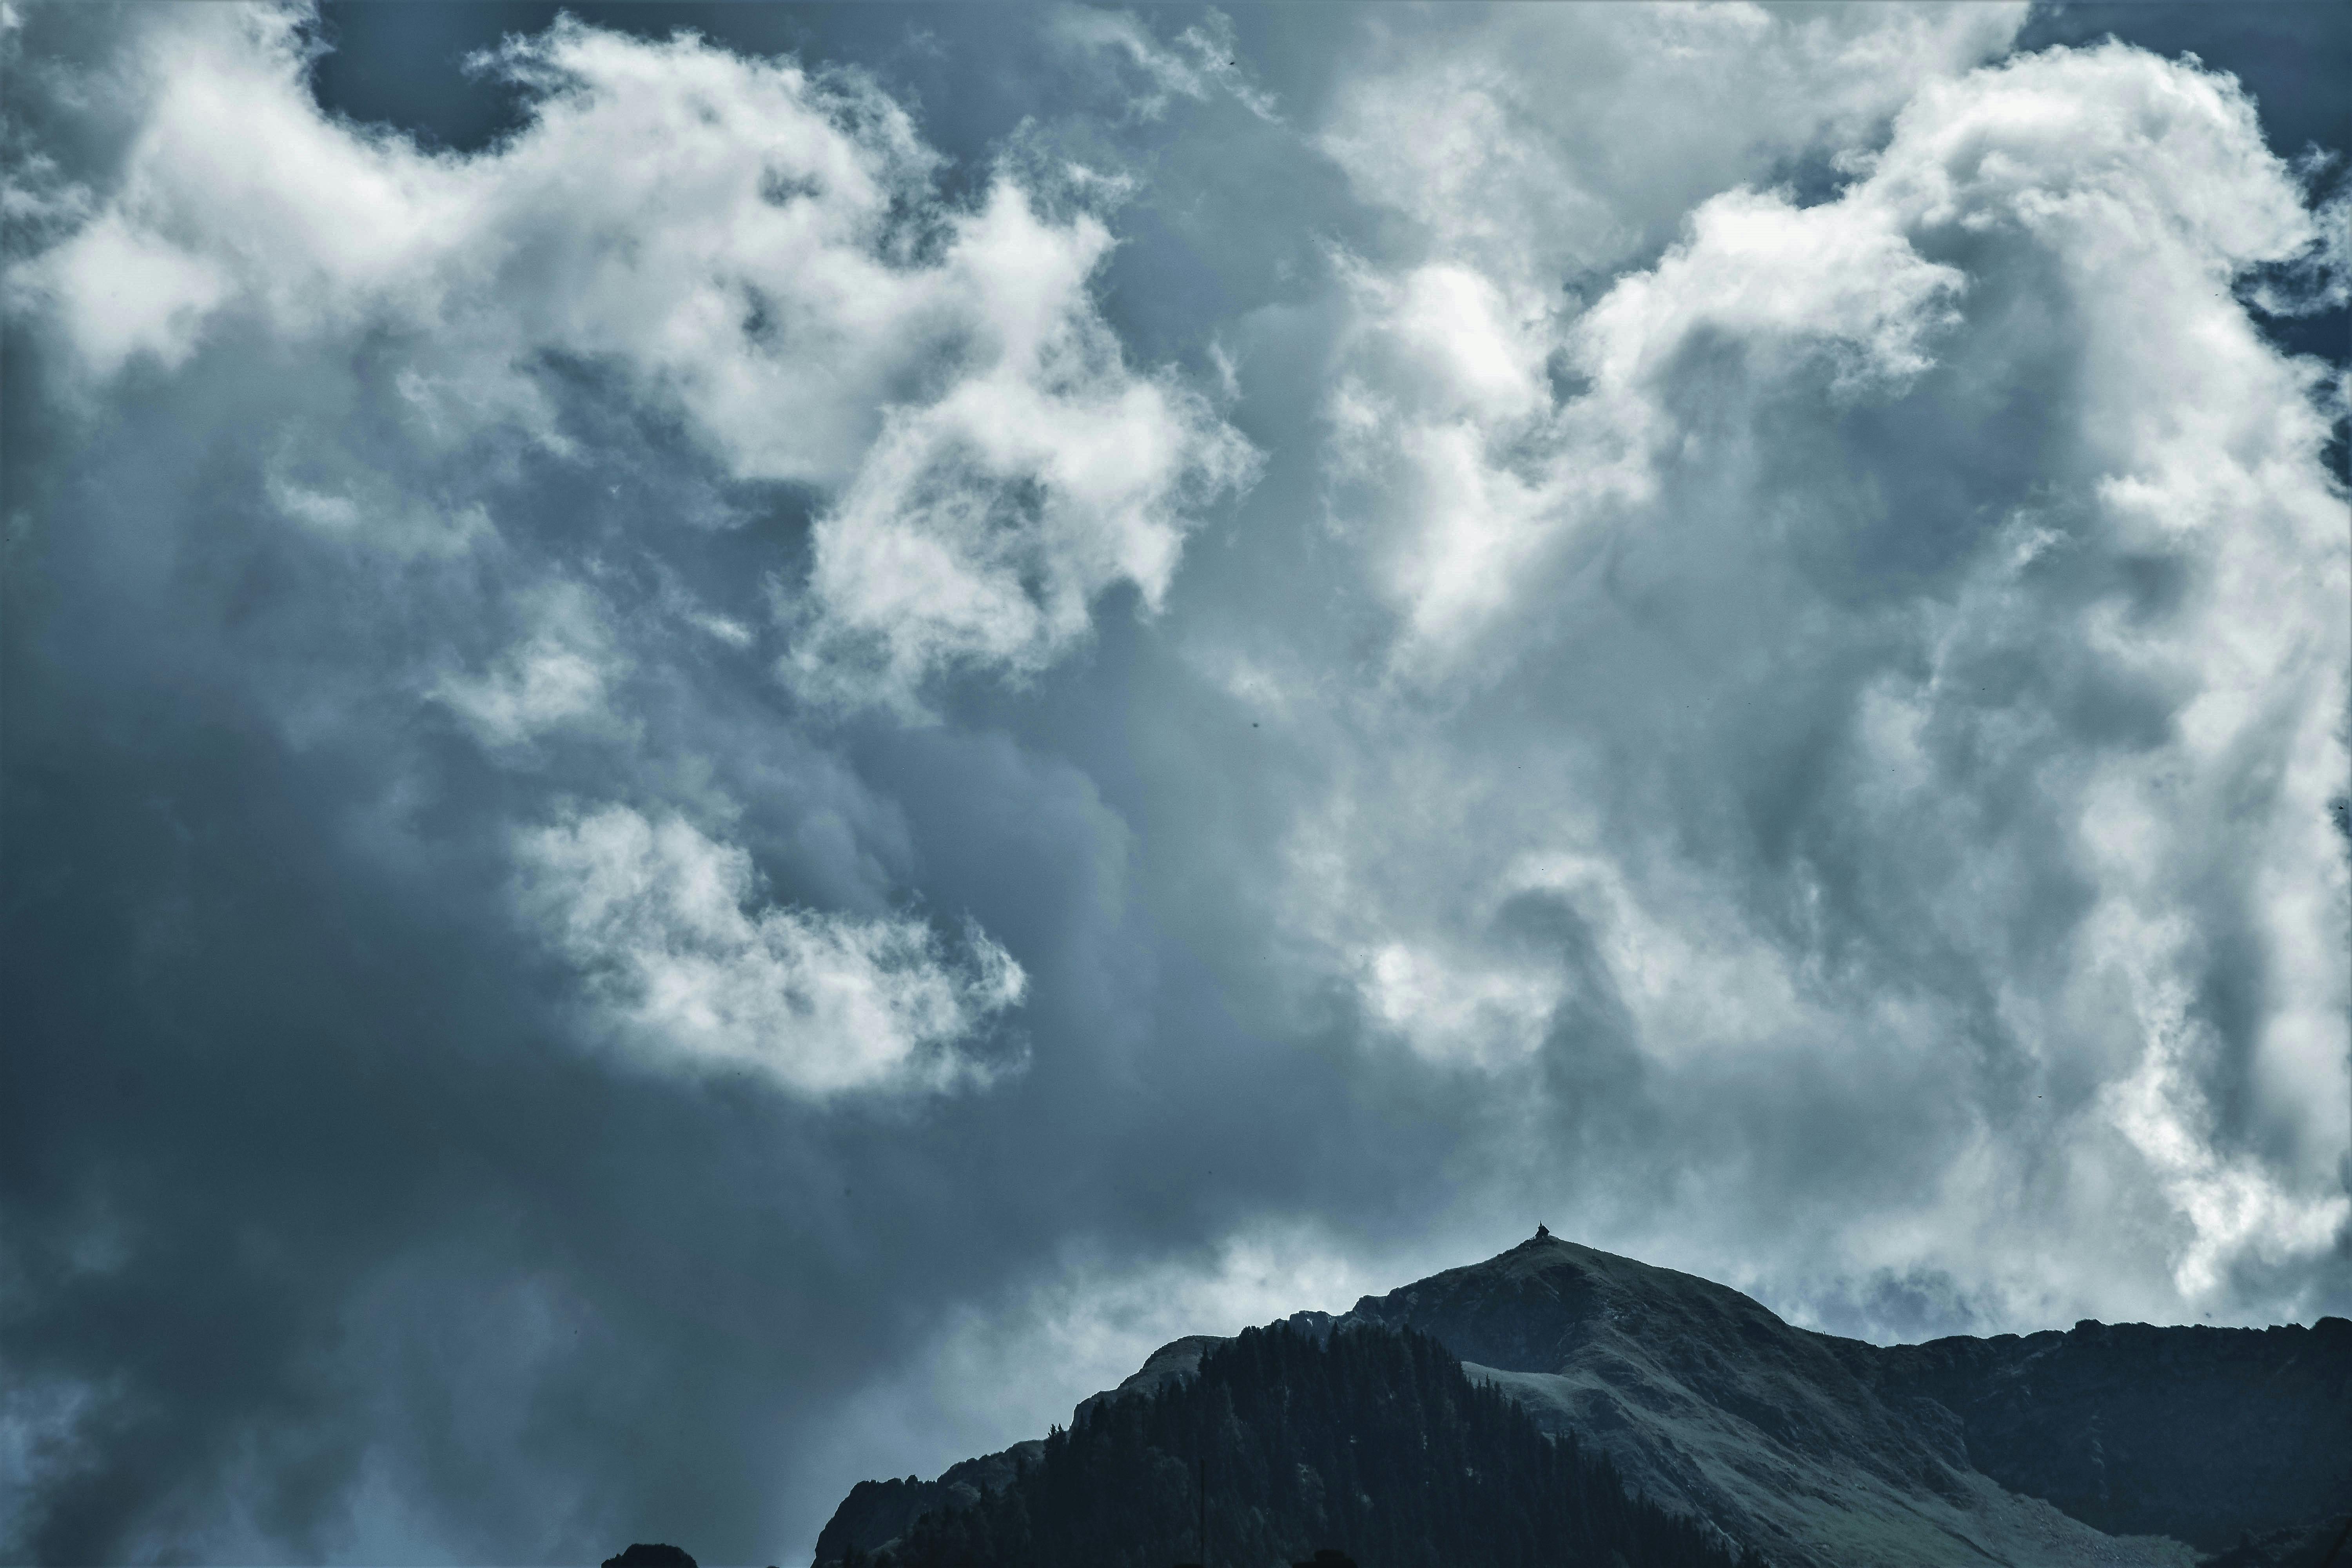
{"points": [[2198, 1433], [1831, 1452], [1370, 1438], [876, 1512]]}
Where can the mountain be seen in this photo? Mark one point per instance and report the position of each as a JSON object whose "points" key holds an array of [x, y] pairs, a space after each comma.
{"points": [[1290, 1438], [2112, 1444]]}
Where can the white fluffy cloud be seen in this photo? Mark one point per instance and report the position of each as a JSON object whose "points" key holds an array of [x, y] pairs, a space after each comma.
{"points": [[756, 247], [1882, 664], [1466, 467], [692, 971], [981, 525]]}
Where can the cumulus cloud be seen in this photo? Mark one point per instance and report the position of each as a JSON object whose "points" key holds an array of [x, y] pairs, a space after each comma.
{"points": [[1931, 602], [693, 971], [1451, 426], [757, 247], [982, 526]]}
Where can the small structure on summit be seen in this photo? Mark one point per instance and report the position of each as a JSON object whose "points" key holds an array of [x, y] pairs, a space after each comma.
{"points": [[1543, 1232]]}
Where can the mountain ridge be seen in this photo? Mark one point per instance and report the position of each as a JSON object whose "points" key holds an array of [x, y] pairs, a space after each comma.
{"points": [[2048, 1450]]}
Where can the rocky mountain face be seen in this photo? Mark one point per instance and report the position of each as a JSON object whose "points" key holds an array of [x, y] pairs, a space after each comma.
{"points": [[2122, 1445]]}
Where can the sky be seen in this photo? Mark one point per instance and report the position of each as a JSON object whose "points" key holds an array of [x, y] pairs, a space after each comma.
{"points": [[739, 740]]}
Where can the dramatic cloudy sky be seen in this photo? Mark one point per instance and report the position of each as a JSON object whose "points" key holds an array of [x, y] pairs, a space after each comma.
{"points": [[739, 740]]}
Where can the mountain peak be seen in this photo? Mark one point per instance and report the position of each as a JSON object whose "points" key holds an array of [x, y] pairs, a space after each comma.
{"points": [[1536, 1306]]}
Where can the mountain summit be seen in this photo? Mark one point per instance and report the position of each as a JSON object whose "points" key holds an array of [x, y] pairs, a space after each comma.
{"points": [[2122, 1445]]}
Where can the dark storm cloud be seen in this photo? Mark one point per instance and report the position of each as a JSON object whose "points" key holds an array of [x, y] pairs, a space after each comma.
{"points": [[363, 1241], [310, 1166], [614, 937]]}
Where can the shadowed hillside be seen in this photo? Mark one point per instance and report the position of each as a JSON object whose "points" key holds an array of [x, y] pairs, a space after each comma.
{"points": [[2198, 1433]]}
